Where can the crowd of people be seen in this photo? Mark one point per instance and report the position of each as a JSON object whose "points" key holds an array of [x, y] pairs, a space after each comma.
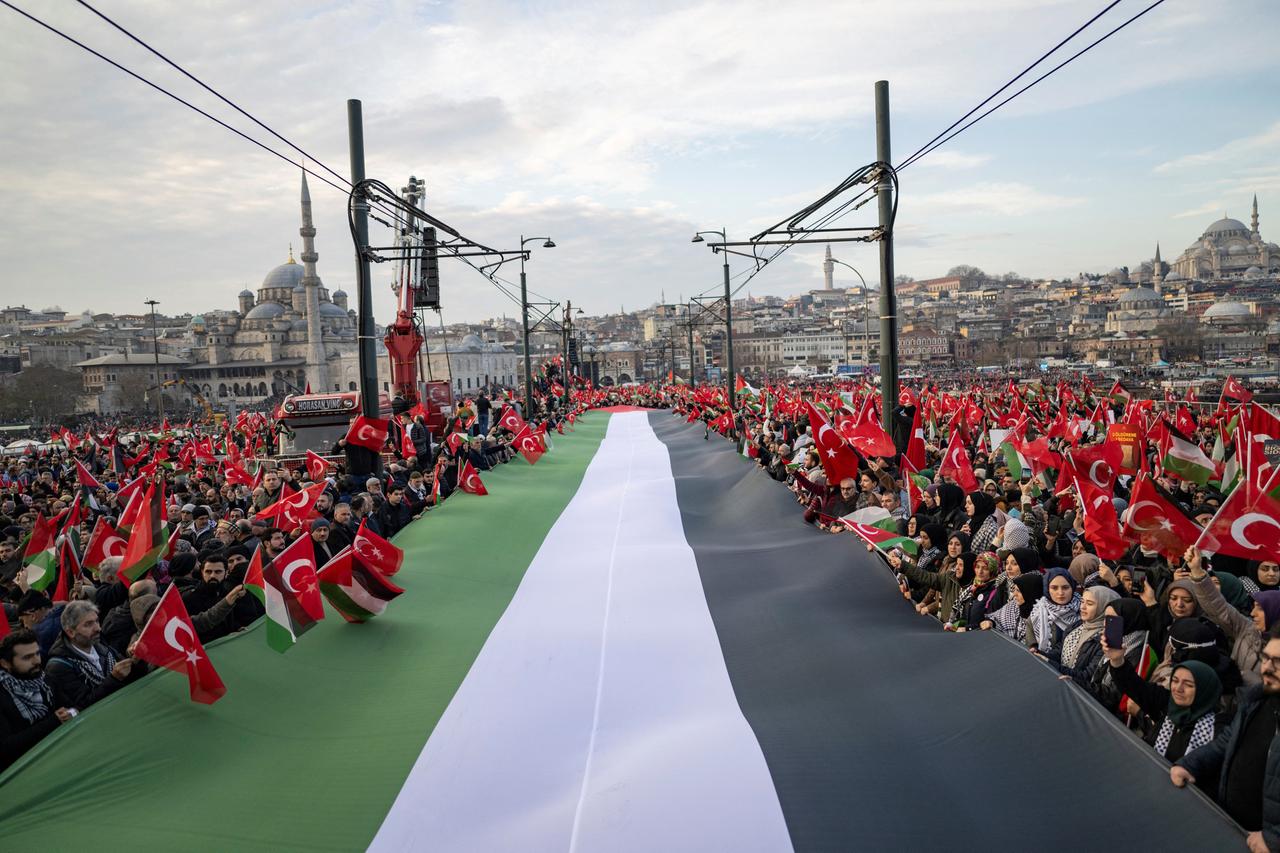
{"points": [[59, 657], [1183, 647]]}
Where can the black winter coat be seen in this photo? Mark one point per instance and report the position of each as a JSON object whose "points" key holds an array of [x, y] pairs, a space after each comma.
{"points": [[16, 734], [1217, 755]]}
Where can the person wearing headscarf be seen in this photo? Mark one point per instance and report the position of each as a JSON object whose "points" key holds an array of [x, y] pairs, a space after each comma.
{"points": [[982, 523], [931, 604], [933, 538], [1184, 715], [1235, 591], [1176, 602], [1014, 534], [1055, 615], [955, 575], [1084, 569], [1244, 632], [1018, 562], [980, 598], [1011, 619], [1136, 627], [1196, 638], [1081, 651], [1264, 575], [950, 506]]}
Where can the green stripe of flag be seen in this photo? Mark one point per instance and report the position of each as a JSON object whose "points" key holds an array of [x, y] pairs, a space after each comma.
{"points": [[329, 730]]}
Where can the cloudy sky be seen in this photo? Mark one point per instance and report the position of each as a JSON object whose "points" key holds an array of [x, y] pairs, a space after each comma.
{"points": [[619, 129]]}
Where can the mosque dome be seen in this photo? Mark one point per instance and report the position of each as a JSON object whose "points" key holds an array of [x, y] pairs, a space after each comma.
{"points": [[1253, 272], [1227, 311], [328, 309], [1226, 227], [340, 293], [1173, 276], [287, 275], [265, 311], [197, 320], [246, 292], [1139, 294]]}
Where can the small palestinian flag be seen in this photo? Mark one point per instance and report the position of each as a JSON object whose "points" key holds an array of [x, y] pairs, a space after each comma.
{"points": [[148, 539], [40, 557], [356, 590], [1185, 460], [881, 538], [289, 590], [1120, 395]]}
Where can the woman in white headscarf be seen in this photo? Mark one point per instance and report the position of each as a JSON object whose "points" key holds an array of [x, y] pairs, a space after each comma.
{"points": [[1081, 651]]}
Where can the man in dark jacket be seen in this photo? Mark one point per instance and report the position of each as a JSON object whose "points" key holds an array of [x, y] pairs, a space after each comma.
{"points": [[394, 513], [1246, 756], [118, 627], [27, 709], [81, 670], [320, 542], [342, 532], [215, 587]]}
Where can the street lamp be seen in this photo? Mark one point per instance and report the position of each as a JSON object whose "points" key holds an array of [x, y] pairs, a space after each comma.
{"points": [[728, 313], [524, 313], [866, 315], [155, 345]]}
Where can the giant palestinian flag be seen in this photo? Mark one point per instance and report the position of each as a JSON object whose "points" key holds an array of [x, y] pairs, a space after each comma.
{"points": [[656, 654]]}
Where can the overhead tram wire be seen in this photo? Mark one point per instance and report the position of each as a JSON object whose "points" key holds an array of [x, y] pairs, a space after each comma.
{"points": [[939, 142], [157, 87], [951, 132], [212, 91], [169, 94], [919, 152]]}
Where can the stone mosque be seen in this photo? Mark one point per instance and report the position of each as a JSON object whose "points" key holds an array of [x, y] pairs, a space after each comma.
{"points": [[1228, 249], [290, 336]]}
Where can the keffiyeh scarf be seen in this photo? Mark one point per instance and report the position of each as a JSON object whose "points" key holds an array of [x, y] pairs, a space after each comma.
{"points": [[31, 696], [1046, 615], [1200, 735]]}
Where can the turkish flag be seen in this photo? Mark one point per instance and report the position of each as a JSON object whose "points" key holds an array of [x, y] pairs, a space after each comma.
{"points": [[317, 467], [104, 542], [1098, 465], [369, 433], [169, 640], [293, 573], [294, 510], [377, 552], [1157, 522], [1101, 526], [1233, 389], [916, 446], [955, 464], [469, 480], [530, 445], [511, 420], [1247, 525], [838, 458]]}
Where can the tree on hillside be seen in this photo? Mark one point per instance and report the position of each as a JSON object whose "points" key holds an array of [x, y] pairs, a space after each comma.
{"points": [[966, 272], [41, 393]]}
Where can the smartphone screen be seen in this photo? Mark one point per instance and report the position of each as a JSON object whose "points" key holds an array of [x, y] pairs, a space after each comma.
{"points": [[1139, 580], [1113, 630]]}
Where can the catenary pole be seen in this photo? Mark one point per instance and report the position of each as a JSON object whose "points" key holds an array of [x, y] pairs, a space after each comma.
{"points": [[888, 307]]}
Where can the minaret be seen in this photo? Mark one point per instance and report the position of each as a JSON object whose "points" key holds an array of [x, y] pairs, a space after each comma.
{"points": [[317, 369], [828, 271], [1253, 221], [1157, 271]]}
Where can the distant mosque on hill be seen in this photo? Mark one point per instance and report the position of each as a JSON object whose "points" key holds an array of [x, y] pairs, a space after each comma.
{"points": [[289, 336], [1228, 249]]}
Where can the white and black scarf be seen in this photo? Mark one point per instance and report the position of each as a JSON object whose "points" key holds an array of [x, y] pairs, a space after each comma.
{"points": [[31, 696], [87, 669], [1200, 735]]}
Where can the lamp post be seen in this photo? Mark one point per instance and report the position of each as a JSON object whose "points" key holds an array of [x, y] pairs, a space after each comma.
{"points": [[524, 314], [866, 316], [728, 313], [155, 347]]}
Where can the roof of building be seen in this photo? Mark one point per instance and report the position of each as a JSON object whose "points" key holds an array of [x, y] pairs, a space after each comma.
{"points": [[1226, 226], [1227, 310], [138, 359], [265, 311], [1140, 294]]}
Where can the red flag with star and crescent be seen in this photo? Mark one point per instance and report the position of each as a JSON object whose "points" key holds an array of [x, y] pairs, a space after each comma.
{"points": [[376, 551], [838, 459], [169, 640], [1157, 522], [469, 480], [294, 510], [1247, 525], [369, 433], [955, 464], [317, 467]]}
